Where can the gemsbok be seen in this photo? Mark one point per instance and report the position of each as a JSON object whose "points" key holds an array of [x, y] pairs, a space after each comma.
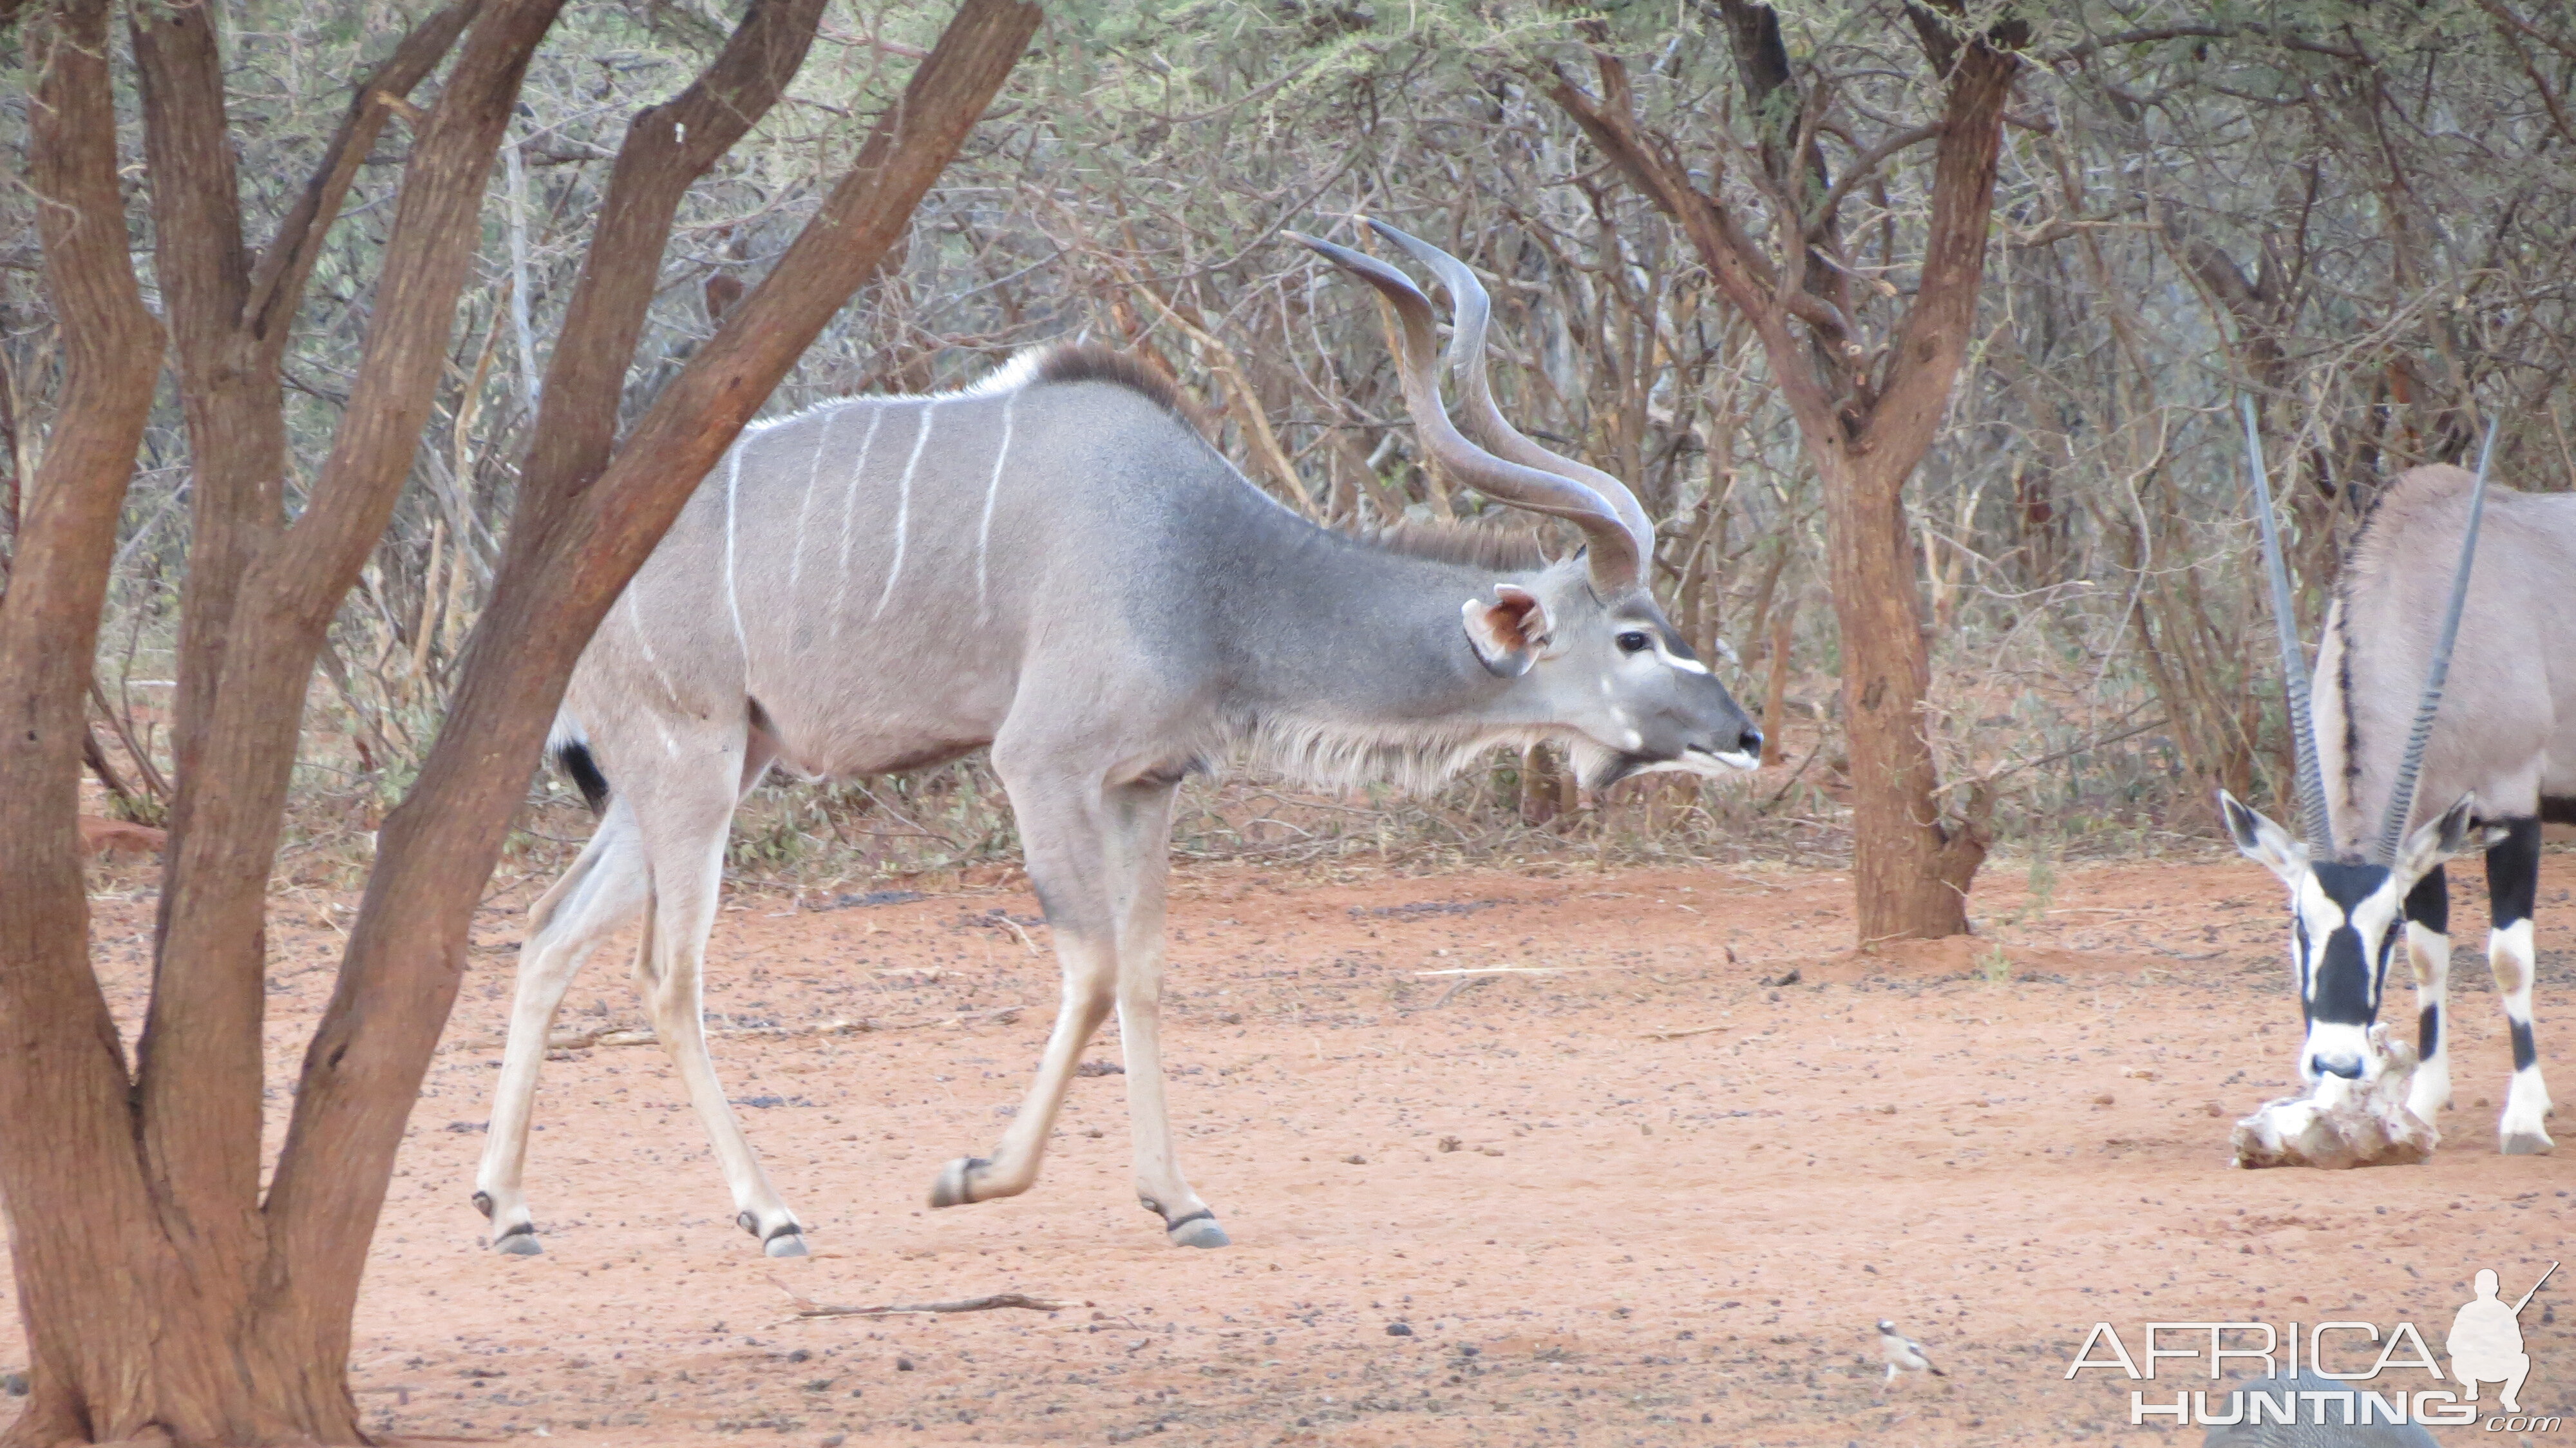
{"points": [[1056, 564], [2432, 683]]}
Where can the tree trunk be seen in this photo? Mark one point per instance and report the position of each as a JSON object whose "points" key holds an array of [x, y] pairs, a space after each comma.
{"points": [[160, 1291], [1910, 873], [1865, 426], [86, 1250]]}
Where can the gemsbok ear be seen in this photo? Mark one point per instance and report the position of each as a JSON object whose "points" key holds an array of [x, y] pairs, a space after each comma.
{"points": [[2262, 841], [1507, 633], [2456, 832]]}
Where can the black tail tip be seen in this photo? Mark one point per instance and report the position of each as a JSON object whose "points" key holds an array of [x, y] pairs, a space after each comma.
{"points": [[576, 762]]}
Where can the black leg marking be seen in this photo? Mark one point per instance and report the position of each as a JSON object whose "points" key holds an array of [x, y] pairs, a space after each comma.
{"points": [[2429, 903], [2525, 1054], [2557, 810], [2428, 1032], [2513, 872], [1201, 1215]]}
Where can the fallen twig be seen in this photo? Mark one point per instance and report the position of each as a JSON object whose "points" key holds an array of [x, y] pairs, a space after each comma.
{"points": [[807, 1307], [1461, 983], [1677, 1035]]}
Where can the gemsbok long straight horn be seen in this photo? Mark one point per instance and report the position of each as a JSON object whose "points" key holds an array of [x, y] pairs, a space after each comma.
{"points": [[1055, 564], [2421, 620]]}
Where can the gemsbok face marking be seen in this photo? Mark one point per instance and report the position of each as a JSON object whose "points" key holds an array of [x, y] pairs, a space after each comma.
{"points": [[1055, 564], [2344, 916], [2432, 682]]}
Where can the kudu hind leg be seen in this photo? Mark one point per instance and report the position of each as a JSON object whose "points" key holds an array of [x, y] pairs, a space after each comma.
{"points": [[601, 893], [684, 834], [2513, 885], [2428, 950]]}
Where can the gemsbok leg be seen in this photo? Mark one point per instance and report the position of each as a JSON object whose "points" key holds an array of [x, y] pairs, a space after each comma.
{"points": [[2513, 883], [2428, 950]]}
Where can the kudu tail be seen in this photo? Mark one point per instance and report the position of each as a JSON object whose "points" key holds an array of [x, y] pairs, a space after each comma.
{"points": [[571, 753]]}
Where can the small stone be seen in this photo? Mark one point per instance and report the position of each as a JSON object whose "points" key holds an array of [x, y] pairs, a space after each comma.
{"points": [[835, 1440], [1450, 1143], [1356, 1159], [2105, 1099], [1399, 1329], [903, 1365], [14, 1384]]}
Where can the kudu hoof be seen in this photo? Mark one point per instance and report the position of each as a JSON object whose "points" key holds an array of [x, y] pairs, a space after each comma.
{"points": [[956, 1184], [1199, 1229]]}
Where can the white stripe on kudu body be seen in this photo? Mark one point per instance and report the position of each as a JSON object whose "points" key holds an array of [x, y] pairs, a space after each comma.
{"points": [[984, 527], [1135, 611], [849, 511], [903, 501], [805, 508]]}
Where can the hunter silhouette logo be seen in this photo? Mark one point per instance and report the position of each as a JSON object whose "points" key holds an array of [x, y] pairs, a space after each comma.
{"points": [[2486, 1341], [2333, 1372]]}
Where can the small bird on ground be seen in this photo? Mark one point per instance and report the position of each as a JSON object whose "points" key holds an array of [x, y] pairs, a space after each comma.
{"points": [[1903, 1354]]}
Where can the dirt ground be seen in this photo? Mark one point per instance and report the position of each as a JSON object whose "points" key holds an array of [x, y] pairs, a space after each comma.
{"points": [[1626, 1187]]}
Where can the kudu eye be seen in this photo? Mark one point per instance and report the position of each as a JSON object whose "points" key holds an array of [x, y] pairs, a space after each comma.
{"points": [[1635, 641]]}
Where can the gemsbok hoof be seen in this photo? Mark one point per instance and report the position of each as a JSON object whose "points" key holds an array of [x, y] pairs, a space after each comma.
{"points": [[956, 1184], [1199, 1229], [2526, 1143], [789, 1243], [521, 1242]]}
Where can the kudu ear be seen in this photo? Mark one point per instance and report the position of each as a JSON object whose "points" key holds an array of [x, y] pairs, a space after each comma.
{"points": [[2262, 841], [1508, 632], [2456, 832]]}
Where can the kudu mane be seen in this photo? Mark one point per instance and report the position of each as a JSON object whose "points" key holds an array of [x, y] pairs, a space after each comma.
{"points": [[1474, 543]]}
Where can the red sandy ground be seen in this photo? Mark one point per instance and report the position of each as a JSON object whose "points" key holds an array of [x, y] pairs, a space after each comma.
{"points": [[1648, 1198]]}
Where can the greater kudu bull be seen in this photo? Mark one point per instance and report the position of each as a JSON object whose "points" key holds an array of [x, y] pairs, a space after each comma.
{"points": [[1054, 563]]}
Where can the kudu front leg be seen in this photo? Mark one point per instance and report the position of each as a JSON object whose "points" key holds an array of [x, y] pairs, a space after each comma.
{"points": [[1090, 977], [1099, 864], [1159, 1184]]}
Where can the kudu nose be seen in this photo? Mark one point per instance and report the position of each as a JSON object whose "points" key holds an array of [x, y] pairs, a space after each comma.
{"points": [[2348, 1067]]}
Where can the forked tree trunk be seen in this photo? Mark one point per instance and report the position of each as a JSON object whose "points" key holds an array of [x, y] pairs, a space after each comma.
{"points": [[1865, 424], [161, 1291]]}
